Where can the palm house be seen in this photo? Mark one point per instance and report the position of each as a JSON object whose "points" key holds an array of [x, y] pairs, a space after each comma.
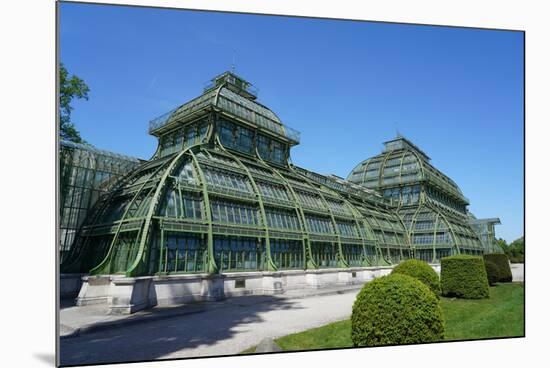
{"points": [[220, 197]]}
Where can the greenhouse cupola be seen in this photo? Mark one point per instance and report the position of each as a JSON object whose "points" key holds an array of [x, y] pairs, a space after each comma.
{"points": [[430, 204], [227, 113], [235, 83]]}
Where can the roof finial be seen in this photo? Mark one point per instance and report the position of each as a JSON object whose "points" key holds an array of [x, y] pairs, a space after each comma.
{"points": [[233, 65]]}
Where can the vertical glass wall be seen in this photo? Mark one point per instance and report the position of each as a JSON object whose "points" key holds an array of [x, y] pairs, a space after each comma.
{"points": [[287, 254], [239, 253], [353, 254], [182, 138], [241, 139], [85, 174], [324, 254], [182, 252]]}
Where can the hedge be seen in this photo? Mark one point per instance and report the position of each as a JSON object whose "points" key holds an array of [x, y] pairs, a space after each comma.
{"points": [[501, 261], [421, 271], [396, 309], [464, 276], [493, 272]]}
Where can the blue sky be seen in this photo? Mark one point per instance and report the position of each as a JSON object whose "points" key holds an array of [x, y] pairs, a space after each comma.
{"points": [[347, 86]]}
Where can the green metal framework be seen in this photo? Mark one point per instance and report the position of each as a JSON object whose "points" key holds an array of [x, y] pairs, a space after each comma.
{"points": [[430, 204], [86, 173], [485, 228], [220, 195]]}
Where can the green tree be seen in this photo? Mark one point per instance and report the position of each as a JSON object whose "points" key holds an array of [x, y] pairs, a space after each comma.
{"points": [[516, 249], [69, 88], [502, 244], [518, 243]]}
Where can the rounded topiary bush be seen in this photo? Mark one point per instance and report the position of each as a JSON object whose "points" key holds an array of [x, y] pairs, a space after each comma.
{"points": [[502, 262], [396, 309], [421, 271], [464, 276], [493, 272]]}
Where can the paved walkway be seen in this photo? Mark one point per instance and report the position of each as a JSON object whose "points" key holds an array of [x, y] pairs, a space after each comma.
{"points": [[518, 270], [204, 329]]}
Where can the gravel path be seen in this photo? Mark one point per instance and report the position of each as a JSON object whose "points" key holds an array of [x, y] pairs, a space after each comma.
{"points": [[222, 328]]}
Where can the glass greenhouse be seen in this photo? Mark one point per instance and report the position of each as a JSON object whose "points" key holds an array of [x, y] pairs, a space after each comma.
{"points": [[485, 228], [219, 195], [86, 173], [429, 203]]}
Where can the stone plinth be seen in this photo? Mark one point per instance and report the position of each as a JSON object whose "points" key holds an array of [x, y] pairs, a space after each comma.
{"points": [[131, 294], [126, 295]]}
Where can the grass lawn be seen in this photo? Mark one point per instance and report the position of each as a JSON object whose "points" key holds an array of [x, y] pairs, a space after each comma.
{"points": [[500, 315]]}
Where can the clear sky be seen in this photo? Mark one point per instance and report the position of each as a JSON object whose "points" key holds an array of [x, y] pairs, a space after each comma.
{"points": [[347, 86]]}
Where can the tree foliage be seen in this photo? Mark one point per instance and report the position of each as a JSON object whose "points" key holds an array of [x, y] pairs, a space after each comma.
{"points": [[502, 244], [515, 250], [70, 87]]}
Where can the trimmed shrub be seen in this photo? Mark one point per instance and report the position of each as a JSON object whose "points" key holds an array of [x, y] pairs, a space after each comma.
{"points": [[501, 261], [421, 271], [396, 309], [464, 276], [493, 272]]}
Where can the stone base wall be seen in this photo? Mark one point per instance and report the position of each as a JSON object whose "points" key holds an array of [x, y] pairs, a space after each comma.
{"points": [[126, 295]]}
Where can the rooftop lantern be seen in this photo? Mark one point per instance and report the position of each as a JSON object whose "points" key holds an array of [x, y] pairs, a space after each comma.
{"points": [[235, 83]]}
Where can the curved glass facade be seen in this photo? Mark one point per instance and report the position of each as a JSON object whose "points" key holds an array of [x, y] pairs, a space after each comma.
{"points": [[430, 204], [219, 195]]}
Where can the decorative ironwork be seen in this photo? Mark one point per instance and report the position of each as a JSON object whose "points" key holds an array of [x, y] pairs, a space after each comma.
{"points": [[220, 195]]}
